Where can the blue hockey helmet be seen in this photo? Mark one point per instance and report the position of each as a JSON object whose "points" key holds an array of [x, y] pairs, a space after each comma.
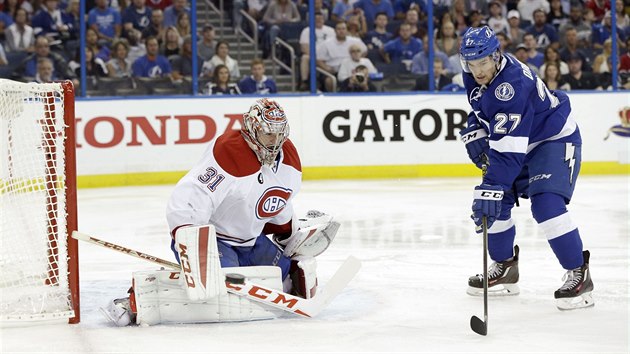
{"points": [[478, 43]]}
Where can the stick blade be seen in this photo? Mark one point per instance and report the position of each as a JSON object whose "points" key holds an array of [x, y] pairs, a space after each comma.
{"points": [[335, 285], [480, 327]]}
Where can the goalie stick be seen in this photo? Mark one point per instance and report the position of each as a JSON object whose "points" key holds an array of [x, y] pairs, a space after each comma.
{"points": [[255, 292]]}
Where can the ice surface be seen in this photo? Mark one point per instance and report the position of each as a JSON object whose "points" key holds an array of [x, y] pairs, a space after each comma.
{"points": [[418, 248]]}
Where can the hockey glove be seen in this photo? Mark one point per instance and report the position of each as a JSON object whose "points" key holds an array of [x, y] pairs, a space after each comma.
{"points": [[487, 202], [477, 146]]}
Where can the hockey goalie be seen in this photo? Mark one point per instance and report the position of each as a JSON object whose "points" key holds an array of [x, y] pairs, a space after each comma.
{"points": [[232, 215]]}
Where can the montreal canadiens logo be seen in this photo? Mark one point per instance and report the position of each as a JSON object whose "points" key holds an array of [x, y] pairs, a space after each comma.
{"points": [[272, 202], [274, 115], [504, 92]]}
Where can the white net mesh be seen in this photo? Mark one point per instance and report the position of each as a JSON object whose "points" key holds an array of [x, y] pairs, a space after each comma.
{"points": [[33, 246]]}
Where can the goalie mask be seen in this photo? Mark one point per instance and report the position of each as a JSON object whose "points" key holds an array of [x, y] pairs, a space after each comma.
{"points": [[265, 128]]}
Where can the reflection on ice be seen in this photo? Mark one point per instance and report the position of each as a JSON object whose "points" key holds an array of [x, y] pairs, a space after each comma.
{"points": [[418, 247]]}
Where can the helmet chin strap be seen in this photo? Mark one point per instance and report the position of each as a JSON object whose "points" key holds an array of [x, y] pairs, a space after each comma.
{"points": [[496, 57]]}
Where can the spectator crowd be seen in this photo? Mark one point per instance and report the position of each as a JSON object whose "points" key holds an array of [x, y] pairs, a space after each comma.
{"points": [[361, 45]]}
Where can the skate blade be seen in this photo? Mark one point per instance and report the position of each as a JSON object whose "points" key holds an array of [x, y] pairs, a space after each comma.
{"points": [[497, 290], [573, 303]]}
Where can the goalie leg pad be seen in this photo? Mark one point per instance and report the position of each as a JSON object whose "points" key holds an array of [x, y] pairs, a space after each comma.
{"points": [[303, 275], [199, 259], [161, 299]]}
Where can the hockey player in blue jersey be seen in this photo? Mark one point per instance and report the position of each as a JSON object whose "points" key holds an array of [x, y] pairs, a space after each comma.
{"points": [[525, 135]]}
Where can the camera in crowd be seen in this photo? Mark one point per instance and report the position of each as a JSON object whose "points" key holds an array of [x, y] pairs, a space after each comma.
{"points": [[358, 82]]}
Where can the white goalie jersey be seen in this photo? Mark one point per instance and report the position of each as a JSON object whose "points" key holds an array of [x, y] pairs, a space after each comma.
{"points": [[229, 189]]}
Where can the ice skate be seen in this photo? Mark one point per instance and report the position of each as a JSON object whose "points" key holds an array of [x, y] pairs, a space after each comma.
{"points": [[502, 278], [118, 311], [577, 288]]}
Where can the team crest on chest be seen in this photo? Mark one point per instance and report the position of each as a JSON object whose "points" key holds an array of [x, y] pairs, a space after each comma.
{"points": [[272, 202], [504, 92]]}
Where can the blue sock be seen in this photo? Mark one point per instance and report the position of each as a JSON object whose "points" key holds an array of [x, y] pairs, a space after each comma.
{"points": [[563, 236], [568, 249], [501, 244]]}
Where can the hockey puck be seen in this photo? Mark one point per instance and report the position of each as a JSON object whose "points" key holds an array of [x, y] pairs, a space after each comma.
{"points": [[235, 278]]}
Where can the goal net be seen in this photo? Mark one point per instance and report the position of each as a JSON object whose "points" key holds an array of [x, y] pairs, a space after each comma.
{"points": [[38, 261]]}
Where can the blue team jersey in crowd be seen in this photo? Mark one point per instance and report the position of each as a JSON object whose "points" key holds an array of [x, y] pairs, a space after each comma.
{"points": [[370, 9], [398, 50], [106, 20], [263, 87], [139, 20], [151, 67], [43, 23], [376, 39], [519, 113]]}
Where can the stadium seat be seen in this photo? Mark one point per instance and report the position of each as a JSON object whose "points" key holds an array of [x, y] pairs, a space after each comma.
{"points": [[5, 72], [392, 27], [166, 91], [14, 60], [291, 31], [112, 85], [153, 83], [139, 91], [375, 56]]}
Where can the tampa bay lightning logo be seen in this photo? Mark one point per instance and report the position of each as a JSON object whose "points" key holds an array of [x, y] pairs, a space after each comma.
{"points": [[504, 92], [155, 71]]}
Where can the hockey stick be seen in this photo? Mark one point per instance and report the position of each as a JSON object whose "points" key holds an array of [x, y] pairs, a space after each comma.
{"points": [[255, 292], [477, 325]]}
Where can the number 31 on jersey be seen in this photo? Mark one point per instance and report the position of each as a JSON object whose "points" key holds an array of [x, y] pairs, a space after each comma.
{"points": [[211, 178]]}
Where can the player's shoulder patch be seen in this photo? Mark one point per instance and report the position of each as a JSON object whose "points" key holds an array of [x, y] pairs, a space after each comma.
{"points": [[504, 92], [290, 155], [234, 156]]}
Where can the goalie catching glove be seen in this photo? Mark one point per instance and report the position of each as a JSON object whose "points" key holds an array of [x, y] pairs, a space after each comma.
{"points": [[314, 234]]}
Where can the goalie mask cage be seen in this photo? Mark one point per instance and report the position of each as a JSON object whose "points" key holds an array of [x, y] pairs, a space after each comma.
{"points": [[39, 279]]}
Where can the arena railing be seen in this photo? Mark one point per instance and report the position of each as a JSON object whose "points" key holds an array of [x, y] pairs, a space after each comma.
{"points": [[252, 39], [275, 61]]}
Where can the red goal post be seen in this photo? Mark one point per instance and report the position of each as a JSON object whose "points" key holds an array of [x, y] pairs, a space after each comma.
{"points": [[39, 270]]}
